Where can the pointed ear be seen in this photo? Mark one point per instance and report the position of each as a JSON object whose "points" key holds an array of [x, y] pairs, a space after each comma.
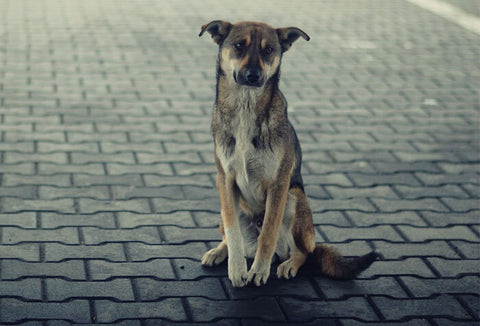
{"points": [[288, 35], [218, 29]]}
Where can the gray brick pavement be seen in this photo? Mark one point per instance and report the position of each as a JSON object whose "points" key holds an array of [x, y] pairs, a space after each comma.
{"points": [[107, 198]]}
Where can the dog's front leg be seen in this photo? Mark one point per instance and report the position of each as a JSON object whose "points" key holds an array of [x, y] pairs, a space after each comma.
{"points": [[267, 241], [229, 199]]}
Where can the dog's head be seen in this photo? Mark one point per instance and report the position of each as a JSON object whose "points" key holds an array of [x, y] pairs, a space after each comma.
{"points": [[250, 52]]}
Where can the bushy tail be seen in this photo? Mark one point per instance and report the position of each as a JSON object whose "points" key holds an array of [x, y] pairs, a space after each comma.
{"points": [[333, 264]]}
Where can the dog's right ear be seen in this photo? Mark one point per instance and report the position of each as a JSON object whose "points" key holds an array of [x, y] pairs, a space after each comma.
{"points": [[218, 29]]}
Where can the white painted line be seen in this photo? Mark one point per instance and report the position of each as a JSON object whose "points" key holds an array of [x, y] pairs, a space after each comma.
{"points": [[452, 13]]}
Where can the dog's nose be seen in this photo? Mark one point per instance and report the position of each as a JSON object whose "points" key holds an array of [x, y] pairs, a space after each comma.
{"points": [[252, 76]]}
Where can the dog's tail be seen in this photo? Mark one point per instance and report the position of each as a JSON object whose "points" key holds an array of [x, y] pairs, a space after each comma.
{"points": [[333, 265]]}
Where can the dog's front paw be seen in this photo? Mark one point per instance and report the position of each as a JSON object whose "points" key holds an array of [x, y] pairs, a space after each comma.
{"points": [[237, 272], [258, 273], [214, 256]]}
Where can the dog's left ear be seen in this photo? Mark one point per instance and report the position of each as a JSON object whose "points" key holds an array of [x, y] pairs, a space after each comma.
{"points": [[218, 29], [288, 35]]}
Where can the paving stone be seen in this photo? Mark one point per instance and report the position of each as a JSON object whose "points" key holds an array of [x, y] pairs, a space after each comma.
{"points": [[422, 192], [455, 268], [414, 322], [90, 180], [361, 204], [88, 205], [61, 290], [473, 190], [104, 270], [343, 234], [276, 287], [16, 236], [429, 204], [55, 252], [22, 220], [153, 290], [322, 167], [199, 193], [13, 205], [73, 147], [168, 192], [55, 220], [76, 311], [422, 288], [13, 270], [132, 220], [402, 250], [211, 205], [176, 235], [47, 192], [330, 218], [408, 266], [266, 309], [353, 248], [51, 180], [468, 249], [451, 219], [90, 168], [462, 205], [471, 303], [156, 168], [440, 306], [24, 192], [79, 137], [335, 179], [369, 180], [27, 289], [142, 252], [343, 289], [302, 311], [439, 179], [194, 180], [344, 193], [83, 158], [144, 234], [13, 158], [448, 233], [370, 219], [112, 312]]}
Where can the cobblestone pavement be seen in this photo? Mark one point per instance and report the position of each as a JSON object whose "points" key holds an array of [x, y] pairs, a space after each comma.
{"points": [[107, 175]]}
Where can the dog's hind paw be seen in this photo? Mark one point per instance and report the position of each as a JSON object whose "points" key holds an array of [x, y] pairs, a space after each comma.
{"points": [[287, 269], [214, 257]]}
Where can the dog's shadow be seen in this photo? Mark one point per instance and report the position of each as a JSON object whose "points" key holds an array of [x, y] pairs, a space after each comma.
{"points": [[306, 284]]}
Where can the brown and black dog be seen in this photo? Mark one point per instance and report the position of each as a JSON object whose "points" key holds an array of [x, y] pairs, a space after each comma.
{"points": [[264, 209]]}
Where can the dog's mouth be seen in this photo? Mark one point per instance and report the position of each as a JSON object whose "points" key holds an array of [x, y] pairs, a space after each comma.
{"points": [[250, 78]]}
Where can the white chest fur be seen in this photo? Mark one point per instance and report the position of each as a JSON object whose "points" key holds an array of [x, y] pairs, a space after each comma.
{"points": [[249, 164]]}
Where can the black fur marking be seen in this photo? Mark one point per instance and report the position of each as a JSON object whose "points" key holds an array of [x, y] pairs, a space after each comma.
{"points": [[230, 145], [296, 180], [256, 142]]}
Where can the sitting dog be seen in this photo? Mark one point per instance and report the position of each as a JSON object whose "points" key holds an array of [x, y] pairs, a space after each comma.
{"points": [[264, 209]]}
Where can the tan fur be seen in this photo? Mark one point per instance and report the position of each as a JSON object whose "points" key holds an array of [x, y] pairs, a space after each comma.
{"points": [[264, 209]]}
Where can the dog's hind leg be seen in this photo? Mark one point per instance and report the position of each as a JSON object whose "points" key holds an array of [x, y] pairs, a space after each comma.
{"points": [[289, 267], [216, 255]]}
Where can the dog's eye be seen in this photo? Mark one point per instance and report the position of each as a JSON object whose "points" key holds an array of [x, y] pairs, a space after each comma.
{"points": [[238, 46], [268, 50]]}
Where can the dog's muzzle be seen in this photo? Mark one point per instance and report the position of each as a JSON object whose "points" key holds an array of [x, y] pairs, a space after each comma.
{"points": [[250, 77]]}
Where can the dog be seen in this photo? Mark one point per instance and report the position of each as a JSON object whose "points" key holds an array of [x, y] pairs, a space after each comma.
{"points": [[264, 208]]}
